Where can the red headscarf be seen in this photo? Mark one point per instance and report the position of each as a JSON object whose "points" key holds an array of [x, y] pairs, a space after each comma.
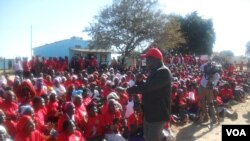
{"points": [[29, 86], [22, 123]]}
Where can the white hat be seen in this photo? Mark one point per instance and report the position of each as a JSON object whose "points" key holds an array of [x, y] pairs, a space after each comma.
{"points": [[112, 95]]}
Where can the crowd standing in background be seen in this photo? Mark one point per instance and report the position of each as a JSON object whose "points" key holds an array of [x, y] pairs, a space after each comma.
{"points": [[79, 100]]}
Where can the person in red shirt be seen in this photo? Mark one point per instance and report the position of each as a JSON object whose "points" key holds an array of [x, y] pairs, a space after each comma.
{"points": [[226, 93], [69, 91], [93, 63], [102, 82], [41, 89], [9, 105], [123, 99], [113, 121], [69, 111], [40, 113], [8, 124], [85, 97], [25, 92], [94, 126], [80, 112], [68, 80], [48, 81], [53, 108], [107, 89], [81, 62], [192, 99], [231, 69], [135, 123], [168, 60], [173, 97], [181, 101], [26, 130], [69, 132], [10, 109], [186, 59], [176, 59], [26, 68], [74, 81]]}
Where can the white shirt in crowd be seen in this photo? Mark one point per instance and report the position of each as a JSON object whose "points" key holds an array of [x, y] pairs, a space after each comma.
{"points": [[17, 66], [204, 80], [129, 109], [60, 91]]}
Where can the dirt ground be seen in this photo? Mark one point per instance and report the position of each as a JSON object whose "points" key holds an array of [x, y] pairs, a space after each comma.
{"points": [[197, 132]]}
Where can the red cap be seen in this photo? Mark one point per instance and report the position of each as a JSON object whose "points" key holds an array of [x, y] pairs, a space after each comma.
{"points": [[153, 52]]}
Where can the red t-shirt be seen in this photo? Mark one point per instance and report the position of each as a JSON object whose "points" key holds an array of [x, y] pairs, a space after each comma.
{"points": [[39, 118], [10, 109], [76, 136], [219, 100], [226, 94], [173, 97], [86, 101], [52, 108], [40, 92], [123, 99], [94, 126], [10, 127], [112, 120], [60, 121], [106, 91], [80, 116], [134, 120], [35, 136]]}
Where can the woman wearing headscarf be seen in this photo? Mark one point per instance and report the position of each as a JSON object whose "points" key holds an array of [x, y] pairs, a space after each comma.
{"points": [[25, 93], [26, 130], [80, 111], [68, 114], [69, 132]]}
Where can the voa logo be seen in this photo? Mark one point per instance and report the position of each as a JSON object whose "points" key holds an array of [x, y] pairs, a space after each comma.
{"points": [[236, 132]]}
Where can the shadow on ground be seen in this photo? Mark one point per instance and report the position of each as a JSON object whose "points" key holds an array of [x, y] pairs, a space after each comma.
{"points": [[247, 116], [193, 132]]}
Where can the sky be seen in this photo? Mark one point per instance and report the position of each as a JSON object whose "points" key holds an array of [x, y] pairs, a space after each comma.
{"points": [[25, 24]]}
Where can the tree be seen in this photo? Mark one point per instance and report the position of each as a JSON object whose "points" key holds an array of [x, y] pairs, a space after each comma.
{"points": [[227, 53], [248, 48], [199, 33], [172, 37], [126, 25]]}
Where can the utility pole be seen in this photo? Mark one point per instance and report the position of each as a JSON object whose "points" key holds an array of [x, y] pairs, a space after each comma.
{"points": [[4, 65], [30, 41]]}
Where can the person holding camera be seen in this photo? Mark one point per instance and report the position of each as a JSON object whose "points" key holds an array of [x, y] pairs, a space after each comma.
{"points": [[210, 78]]}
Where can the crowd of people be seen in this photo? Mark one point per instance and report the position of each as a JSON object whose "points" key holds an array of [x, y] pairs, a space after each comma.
{"points": [[54, 99]]}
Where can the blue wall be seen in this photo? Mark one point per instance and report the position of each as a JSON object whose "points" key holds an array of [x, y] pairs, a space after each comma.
{"points": [[59, 48], [5, 63]]}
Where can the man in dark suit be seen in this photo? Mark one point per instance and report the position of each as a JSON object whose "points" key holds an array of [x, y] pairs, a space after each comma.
{"points": [[155, 95]]}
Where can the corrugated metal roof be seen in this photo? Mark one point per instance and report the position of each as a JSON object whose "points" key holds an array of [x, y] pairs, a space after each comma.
{"points": [[91, 50]]}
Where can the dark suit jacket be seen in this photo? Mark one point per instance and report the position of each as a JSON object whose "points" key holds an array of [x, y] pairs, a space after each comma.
{"points": [[155, 94]]}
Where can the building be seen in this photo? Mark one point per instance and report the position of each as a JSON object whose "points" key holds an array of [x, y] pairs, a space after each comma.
{"points": [[71, 47]]}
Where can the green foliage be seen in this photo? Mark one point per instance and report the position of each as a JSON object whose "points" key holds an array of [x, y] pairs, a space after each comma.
{"points": [[227, 53], [172, 37], [248, 48], [126, 25], [199, 33]]}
